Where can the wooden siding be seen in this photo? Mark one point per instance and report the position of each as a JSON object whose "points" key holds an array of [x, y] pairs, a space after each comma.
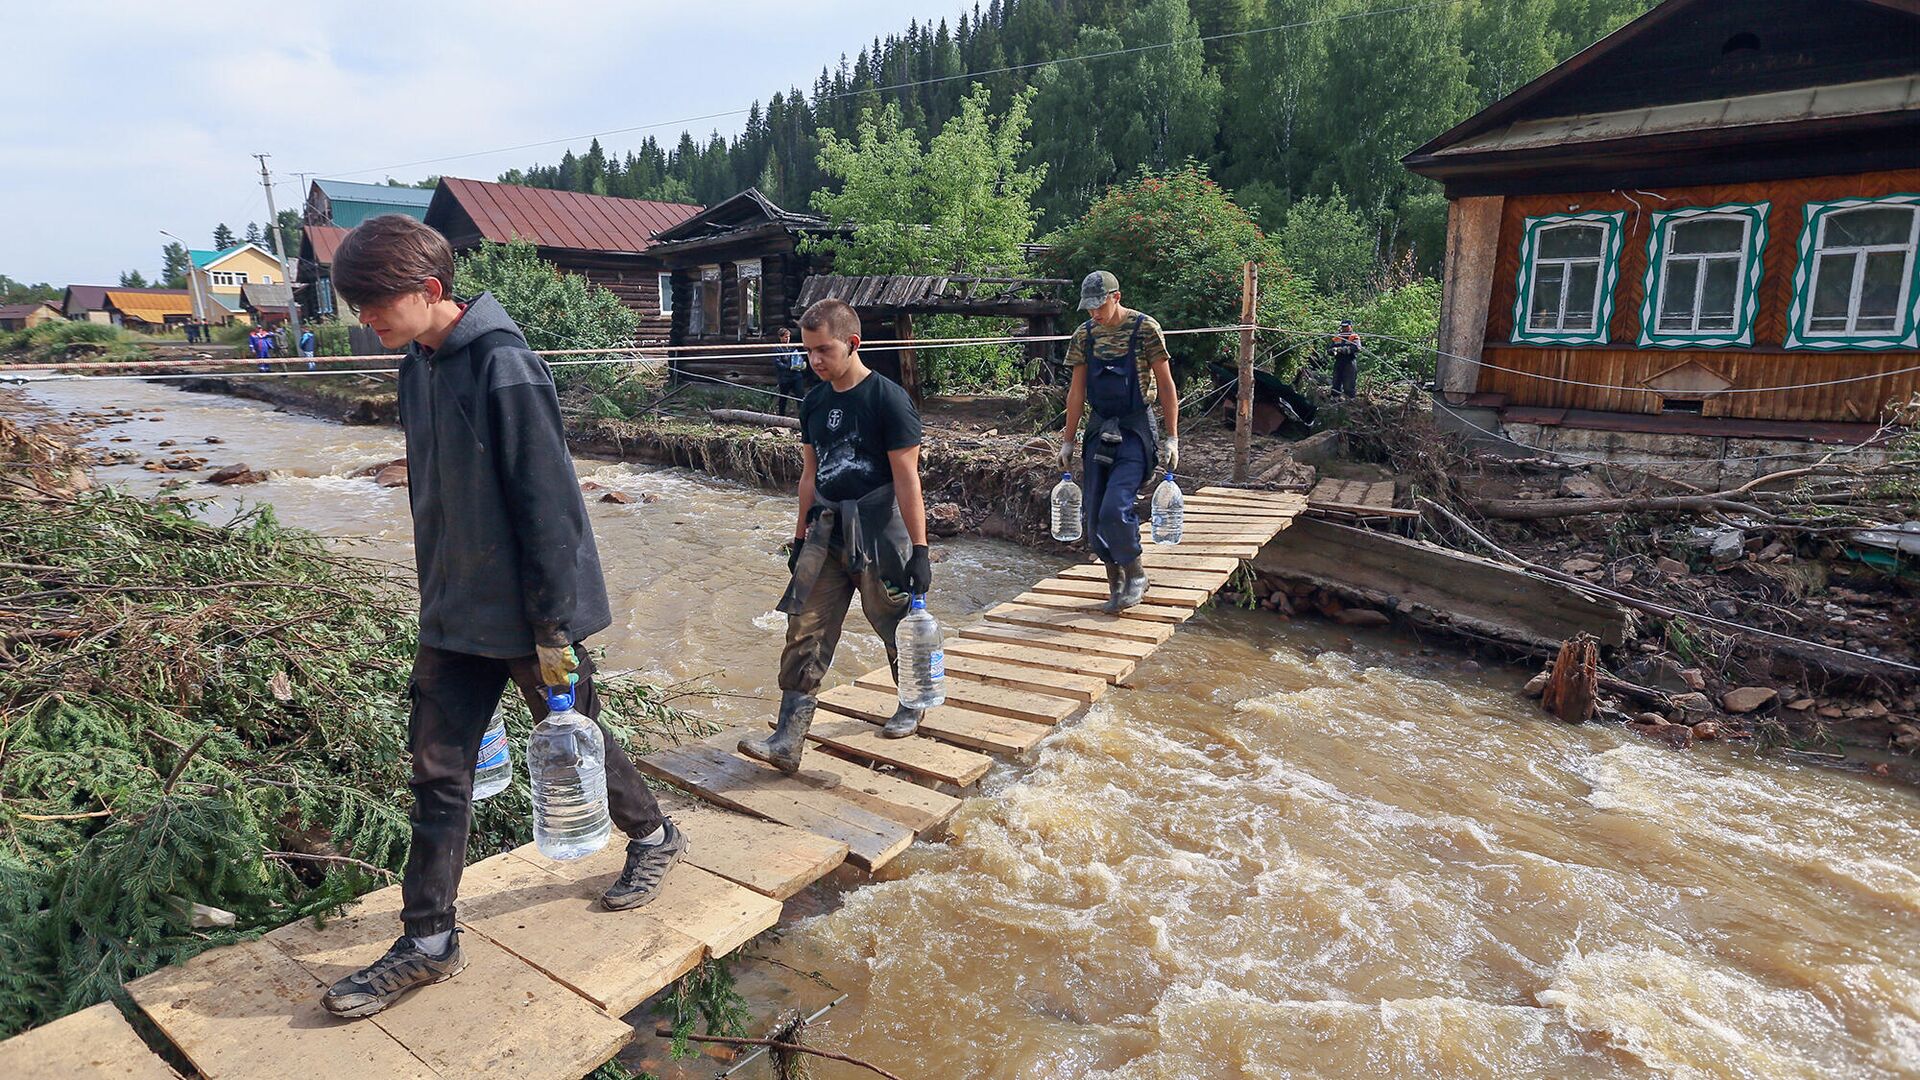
{"points": [[1621, 363]]}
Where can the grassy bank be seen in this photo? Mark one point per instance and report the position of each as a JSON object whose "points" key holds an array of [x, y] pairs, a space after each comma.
{"points": [[196, 714]]}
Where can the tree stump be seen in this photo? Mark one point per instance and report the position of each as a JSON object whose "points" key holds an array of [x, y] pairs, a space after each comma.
{"points": [[1575, 679]]}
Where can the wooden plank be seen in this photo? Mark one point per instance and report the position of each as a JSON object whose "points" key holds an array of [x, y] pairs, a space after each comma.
{"points": [[1068, 684], [94, 1042], [1060, 639], [953, 723], [1256, 496], [1198, 549], [918, 808], [771, 859], [249, 1012], [552, 923], [1106, 668], [1172, 596], [1098, 624], [538, 1013], [1206, 581], [1171, 558], [1148, 612], [926, 757], [805, 801], [693, 903], [1227, 530], [982, 697], [1241, 507]]}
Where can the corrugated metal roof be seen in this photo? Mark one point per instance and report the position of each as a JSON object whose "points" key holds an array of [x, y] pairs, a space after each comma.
{"points": [[1897, 94], [324, 239], [349, 191], [150, 306], [21, 311], [562, 219], [267, 296]]}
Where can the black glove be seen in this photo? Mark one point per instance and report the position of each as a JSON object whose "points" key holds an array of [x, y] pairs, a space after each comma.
{"points": [[919, 571], [793, 552]]}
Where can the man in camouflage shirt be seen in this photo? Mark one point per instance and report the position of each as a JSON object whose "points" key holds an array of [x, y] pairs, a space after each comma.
{"points": [[1115, 355]]}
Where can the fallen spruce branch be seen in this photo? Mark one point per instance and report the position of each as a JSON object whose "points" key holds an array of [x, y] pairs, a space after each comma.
{"points": [[785, 1047]]}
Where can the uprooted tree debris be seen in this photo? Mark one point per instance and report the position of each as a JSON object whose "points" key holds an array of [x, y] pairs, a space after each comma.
{"points": [[1760, 610], [202, 737]]}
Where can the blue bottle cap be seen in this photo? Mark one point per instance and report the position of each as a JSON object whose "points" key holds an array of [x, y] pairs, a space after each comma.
{"points": [[919, 601], [1169, 477], [1066, 475], [559, 699]]}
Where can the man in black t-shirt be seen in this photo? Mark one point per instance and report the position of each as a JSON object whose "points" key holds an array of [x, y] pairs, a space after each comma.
{"points": [[862, 525]]}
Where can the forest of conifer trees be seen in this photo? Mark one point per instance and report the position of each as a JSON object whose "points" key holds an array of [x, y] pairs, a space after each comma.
{"points": [[1280, 99]]}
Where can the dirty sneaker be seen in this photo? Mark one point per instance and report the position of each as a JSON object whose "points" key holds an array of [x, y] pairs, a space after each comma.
{"points": [[380, 984], [646, 870]]}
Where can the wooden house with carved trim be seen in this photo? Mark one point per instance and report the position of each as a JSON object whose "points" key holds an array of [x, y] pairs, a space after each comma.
{"points": [[1706, 223], [607, 240]]}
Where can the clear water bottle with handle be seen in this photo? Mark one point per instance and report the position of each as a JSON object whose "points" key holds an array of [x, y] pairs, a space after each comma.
{"points": [[1169, 512], [1066, 509], [493, 769], [568, 763], [923, 663]]}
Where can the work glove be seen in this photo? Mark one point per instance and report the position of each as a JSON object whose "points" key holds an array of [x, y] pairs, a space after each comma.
{"points": [[557, 665], [919, 571], [1170, 453], [1066, 451], [793, 552]]}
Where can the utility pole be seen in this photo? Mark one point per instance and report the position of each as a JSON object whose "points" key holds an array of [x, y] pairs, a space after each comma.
{"points": [[1243, 407], [280, 249]]}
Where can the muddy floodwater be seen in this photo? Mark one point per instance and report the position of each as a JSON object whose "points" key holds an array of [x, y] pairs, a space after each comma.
{"points": [[1285, 851]]}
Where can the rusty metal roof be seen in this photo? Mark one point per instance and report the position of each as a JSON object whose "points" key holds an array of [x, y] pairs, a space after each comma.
{"points": [[559, 219], [323, 240], [150, 306]]}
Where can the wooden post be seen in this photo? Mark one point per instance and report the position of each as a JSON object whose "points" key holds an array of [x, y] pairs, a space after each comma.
{"points": [[1243, 418], [909, 367]]}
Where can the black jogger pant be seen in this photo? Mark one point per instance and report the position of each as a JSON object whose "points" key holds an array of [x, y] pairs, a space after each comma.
{"points": [[454, 695]]}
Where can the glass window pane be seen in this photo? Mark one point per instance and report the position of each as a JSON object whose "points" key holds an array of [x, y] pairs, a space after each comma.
{"points": [[1832, 289], [1571, 242], [1870, 225], [1583, 289], [1545, 311], [1708, 236], [1880, 285], [1717, 296], [1676, 298]]}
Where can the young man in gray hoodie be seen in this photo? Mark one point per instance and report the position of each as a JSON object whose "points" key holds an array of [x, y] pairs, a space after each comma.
{"points": [[510, 581]]}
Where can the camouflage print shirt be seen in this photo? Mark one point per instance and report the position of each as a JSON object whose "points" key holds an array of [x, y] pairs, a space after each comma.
{"points": [[1112, 340]]}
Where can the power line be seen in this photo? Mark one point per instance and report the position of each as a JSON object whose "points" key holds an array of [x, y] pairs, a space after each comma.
{"points": [[1009, 69]]}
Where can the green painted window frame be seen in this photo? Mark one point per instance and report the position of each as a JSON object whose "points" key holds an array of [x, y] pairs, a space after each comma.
{"points": [[1746, 302], [1609, 277], [1904, 336]]}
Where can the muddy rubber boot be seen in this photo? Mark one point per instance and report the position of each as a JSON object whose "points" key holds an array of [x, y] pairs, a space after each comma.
{"points": [[902, 723], [782, 748], [1114, 581], [1133, 588]]}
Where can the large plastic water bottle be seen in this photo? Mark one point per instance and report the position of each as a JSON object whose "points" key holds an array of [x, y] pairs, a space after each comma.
{"points": [[923, 663], [568, 763], [1066, 509], [1169, 512], [493, 769]]}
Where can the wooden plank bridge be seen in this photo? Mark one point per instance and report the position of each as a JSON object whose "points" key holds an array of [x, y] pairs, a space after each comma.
{"points": [[549, 975]]}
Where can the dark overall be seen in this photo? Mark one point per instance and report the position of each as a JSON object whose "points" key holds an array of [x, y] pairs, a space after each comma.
{"points": [[1119, 448]]}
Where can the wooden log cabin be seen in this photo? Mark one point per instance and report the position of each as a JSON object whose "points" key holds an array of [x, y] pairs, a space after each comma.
{"points": [[735, 270], [1714, 200], [607, 240]]}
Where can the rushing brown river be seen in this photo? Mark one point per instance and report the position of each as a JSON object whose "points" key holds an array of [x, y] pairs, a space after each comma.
{"points": [[1286, 851]]}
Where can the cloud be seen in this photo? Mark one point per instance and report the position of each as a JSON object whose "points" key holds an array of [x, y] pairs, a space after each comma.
{"points": [[130, 118]]}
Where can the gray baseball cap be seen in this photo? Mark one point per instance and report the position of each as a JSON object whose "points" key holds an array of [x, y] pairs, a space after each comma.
{"points": [[1095, 289]]}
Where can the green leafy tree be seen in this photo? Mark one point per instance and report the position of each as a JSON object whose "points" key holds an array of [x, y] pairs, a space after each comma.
{"points": [[555, 309], [1330, 244], [174, 263], [132, 279], [962, 203], [253, 232], [19, 292], [1507, 43], [223, 237]]}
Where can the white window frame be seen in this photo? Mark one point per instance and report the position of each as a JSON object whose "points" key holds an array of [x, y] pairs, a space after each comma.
{"points": [[666, 293], [1659, 259], [1906, 331], [1607, 275]]}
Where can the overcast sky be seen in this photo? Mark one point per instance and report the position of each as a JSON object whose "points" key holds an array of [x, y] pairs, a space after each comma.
{"points": [[127, 118]]}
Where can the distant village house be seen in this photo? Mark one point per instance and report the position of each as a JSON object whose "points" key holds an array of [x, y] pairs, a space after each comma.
{"points": [[344, 204], [217, 279], [1715, 200], [28, 316]]}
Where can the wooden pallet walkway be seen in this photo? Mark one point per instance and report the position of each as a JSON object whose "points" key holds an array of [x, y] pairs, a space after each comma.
{"points": [[550, 974]]}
